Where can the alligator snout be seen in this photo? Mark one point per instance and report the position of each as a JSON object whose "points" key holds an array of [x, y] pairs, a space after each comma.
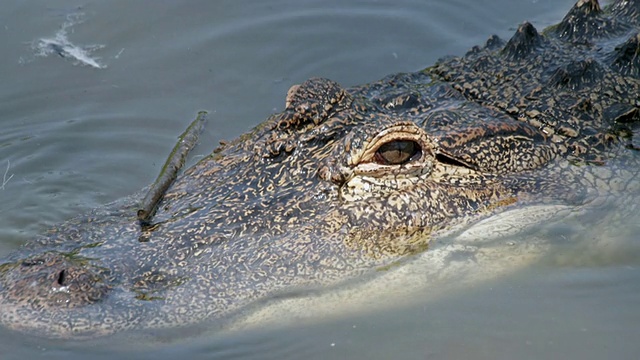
{"points": [[54, 279], [61, 282]]}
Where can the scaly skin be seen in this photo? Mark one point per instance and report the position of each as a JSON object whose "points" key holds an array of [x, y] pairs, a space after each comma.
{"points": [[345, 181]]}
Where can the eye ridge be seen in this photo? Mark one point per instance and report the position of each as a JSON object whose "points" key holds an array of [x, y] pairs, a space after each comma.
{"points": [[397, 152]]}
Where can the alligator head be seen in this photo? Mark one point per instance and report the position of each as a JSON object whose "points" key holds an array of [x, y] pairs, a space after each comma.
{"points": [[342, 182]]}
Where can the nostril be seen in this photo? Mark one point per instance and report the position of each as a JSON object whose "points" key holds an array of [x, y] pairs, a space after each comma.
{"points": [[62, 276], [33, 262]]}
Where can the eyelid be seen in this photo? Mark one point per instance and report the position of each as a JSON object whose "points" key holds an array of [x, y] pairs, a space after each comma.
{"points": [[399, 132]]}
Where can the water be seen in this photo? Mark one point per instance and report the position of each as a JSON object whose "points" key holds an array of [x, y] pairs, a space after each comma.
{"points": [[94, 94]]}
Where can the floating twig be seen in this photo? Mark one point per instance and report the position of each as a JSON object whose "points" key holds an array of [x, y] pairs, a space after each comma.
{"points": [[170, 169], [5, 180]]}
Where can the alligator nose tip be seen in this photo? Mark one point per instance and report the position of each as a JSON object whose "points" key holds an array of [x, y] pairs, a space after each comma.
{"points": [[55, 280]]}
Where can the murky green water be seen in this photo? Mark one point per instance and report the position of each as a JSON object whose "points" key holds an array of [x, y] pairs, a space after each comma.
{"points": [[76, 136]]}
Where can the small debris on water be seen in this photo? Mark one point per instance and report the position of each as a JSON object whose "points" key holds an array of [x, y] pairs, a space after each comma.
{"points": [[61, 46], [6, 179]]}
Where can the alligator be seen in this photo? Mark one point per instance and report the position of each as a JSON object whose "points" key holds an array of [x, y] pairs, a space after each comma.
{"points": [[346, 181]]}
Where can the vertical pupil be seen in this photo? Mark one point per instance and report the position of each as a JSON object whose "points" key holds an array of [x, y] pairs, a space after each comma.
{"points": [[396, 152]]}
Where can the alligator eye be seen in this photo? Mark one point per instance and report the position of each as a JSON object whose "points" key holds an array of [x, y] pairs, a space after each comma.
{"points": [[397, 152]]}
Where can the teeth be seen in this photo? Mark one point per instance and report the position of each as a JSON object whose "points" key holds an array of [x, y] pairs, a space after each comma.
{"points": [[625, 58], [523, 42]]}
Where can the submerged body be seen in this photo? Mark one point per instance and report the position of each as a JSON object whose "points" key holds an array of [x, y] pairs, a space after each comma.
{"points": [[348, 180]]}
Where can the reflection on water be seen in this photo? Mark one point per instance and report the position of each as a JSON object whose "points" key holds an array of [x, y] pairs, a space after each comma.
{"points": [[73, 138]]}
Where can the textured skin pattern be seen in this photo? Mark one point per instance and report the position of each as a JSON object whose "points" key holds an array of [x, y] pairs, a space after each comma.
{"points": [[307, 198]]}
